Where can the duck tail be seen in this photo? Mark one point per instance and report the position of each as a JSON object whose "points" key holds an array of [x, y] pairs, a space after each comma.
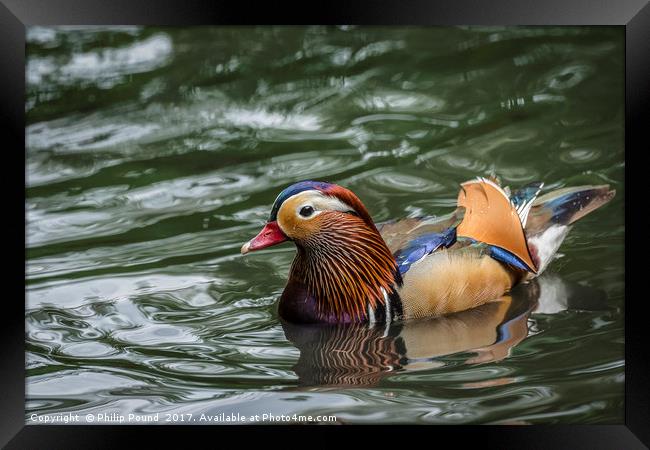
{"points": [[551, 216]]}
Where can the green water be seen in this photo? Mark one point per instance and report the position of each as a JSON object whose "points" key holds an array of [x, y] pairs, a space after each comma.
{"points": [[154, 153]]}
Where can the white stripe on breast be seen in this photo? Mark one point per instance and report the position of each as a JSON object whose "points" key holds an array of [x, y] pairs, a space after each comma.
{"points": [[371, 314], [388, 317]]}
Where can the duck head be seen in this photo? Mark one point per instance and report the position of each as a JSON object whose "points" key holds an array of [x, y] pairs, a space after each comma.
{"points": [[342, 267]]}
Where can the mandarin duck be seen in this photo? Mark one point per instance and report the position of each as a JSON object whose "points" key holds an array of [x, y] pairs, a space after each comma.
{"points": [[348, 269]]}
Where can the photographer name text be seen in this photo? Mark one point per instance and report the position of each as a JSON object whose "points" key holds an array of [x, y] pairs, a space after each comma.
{"points": [[117, 418]]}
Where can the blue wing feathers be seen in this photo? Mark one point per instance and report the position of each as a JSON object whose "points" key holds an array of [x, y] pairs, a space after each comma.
{"points": [[422, 246], [506, 257], [503, 256]]}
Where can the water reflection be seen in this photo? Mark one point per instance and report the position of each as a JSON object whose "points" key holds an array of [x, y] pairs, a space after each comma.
{"points": [[361, 355]]}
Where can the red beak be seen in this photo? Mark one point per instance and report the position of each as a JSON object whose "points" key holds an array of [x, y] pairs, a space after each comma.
{"points": [[270, 235]]}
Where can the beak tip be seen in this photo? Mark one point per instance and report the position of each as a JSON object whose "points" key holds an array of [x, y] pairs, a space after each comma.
{"points": [[270, 235]]}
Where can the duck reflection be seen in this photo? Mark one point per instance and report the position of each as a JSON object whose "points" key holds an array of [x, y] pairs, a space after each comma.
{"points": [[357, 354]]}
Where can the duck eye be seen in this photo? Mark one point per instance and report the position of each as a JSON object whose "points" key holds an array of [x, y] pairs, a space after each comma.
{"points": [[306, 211]]}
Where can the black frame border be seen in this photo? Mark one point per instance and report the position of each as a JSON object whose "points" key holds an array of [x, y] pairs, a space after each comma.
{"points": [[634, 15]]}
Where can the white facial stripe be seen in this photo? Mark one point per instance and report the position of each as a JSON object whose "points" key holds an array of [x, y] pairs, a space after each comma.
{"points": [[320, 202]]}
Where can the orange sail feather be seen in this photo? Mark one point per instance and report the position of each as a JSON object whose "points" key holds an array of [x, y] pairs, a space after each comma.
{"points": [[490, 217]]}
